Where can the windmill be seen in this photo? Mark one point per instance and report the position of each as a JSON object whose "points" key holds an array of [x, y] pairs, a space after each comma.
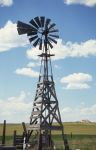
{"points": [[43, 34]]}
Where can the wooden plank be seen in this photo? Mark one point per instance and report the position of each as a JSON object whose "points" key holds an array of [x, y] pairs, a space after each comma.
{"points": [[31, 129], [34, 127], [24, 127], [52, 127], [49, 102], [37, 107], [38, 101], [4, 132], [44, 55], [36, 112], [34, 117], [14, 138], [37, 127]]}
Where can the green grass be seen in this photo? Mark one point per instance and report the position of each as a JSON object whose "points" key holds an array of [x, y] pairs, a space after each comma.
{"points": [[83, 135], [10, 129], [83, 142], [75, 128], [80, 128]]}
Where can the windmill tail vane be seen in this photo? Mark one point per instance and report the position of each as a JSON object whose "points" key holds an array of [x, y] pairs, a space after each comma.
{"points": [[45, 111]]}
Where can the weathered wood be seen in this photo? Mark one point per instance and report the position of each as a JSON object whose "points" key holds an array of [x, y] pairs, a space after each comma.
{"points": [[14, 138], [34, 117], [48, 55], [38, 101], [34, 127], [45, 93], [4, 132], [36, 112], [18, 141], [24, 127], [37, 107], [51, 127]]}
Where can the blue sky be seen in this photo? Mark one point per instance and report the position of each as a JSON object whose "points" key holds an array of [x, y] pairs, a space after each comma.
{"points": [[73, 65]]}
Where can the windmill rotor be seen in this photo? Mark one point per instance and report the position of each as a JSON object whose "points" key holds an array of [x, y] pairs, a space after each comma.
{"points": [[40, 31]]}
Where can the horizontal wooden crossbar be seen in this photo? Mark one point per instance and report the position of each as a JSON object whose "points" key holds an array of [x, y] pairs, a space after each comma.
{"points": [[38, 127]]}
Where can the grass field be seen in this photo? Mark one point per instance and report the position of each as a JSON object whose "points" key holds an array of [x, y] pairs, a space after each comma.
{"points": [[80, 135]]}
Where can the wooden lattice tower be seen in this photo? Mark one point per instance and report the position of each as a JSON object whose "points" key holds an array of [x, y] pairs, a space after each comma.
{"points": [[45, 106]]}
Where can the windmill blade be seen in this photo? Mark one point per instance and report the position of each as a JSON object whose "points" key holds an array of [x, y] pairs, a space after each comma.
{"points": [[36, 42], [52, 40], [51, 26], [34, 23], [23, 31], [24, 28], [33, 38], [23, 25], [49, 43], [47, 23], [55, 36], [37, 20], [31, 33], [42, 21], [40, 46], [55, 30], [37, 29]]}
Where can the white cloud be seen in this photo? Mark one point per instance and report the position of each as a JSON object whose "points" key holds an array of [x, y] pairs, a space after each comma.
{"points": [[33, 64], [6, 2], [15, 109], [77, 86], [63, 50], [76, 81], [77, 78], [18, 109], [78, 113], [33, 53], [27, 72], [89, 3], [9, 37], [56, 66]]}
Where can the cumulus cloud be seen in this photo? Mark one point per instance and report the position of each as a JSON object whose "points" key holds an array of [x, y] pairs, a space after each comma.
{"points": [[9, 37], [6, 2], [27, 72], [76, 81], [18, 109], [89, 3], [15, 109], [33, 64], [78, 113], [63, 50], [33, 53]]}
